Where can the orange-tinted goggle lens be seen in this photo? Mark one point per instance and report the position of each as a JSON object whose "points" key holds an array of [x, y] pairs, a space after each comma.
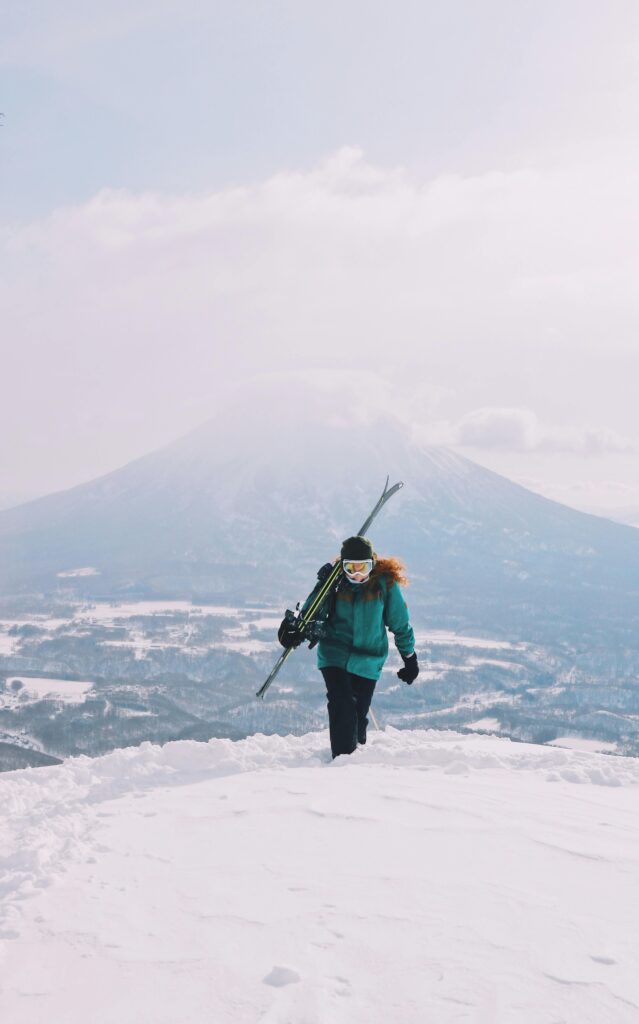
{"points": [[362, 567]]}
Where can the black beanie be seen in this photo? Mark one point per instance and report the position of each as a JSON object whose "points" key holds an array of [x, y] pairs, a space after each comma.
{"points": [[357, 548]]}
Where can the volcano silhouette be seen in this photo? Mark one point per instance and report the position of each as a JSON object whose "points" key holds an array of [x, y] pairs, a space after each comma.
{"points": [[246, 507]]}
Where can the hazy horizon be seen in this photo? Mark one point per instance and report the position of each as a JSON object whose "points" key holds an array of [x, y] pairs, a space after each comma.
{"points": [[443, 197], [315, 400]]}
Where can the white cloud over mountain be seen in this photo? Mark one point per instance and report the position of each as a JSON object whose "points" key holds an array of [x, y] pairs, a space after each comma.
{"points": [[519, 430], [136, 310]]}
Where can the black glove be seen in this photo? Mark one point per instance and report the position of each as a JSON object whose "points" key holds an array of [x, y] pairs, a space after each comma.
{"points": [[289, 634], [325, 571], [410, 671]]}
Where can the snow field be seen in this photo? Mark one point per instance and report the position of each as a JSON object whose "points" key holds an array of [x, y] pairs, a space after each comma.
{"points": [[430, 877], [69, 691], [237, 638]]}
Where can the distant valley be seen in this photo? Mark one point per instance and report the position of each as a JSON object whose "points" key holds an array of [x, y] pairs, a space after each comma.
{"points": [[161, 585], [88, 678]]}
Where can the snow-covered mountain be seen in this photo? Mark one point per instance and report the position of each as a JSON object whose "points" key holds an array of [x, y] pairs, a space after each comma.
{"points": [[246, 507], [429, 877]]}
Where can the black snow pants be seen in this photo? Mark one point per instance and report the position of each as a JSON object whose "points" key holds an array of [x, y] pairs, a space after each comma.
{"points": [[349, 698]]}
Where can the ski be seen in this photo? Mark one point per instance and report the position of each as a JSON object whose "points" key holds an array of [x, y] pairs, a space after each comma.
{"points": [[304, 620]]}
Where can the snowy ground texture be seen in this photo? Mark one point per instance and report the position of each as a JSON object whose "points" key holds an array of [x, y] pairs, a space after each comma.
{"points": [[429, 878]]}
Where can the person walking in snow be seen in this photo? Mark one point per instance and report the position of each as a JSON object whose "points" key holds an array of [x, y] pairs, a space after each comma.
{"points": [[354, 643]]}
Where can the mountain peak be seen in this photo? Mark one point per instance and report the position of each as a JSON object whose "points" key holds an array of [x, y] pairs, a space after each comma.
{"points": [[248, 505]]}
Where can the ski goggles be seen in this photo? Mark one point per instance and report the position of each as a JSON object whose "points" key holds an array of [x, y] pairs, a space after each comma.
{"points": [[363, 567]]}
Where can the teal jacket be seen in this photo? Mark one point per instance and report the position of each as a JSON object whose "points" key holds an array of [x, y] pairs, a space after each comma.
{"points": [[355, 636]]}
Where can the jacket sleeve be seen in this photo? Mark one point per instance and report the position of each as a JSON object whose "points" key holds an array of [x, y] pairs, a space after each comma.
{"points": [[397, 620]]}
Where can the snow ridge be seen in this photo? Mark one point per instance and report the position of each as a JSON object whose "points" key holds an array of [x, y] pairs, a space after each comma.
{"points": [[259, 880], [49, 809]]}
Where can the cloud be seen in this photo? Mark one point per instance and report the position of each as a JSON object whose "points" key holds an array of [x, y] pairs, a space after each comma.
{"points": [[588, 441], [509, 429], [349, 258], [519, 430], [603, 496], [129, 315]]}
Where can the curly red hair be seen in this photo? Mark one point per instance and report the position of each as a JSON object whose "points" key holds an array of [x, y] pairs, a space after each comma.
{"points": [[391, 569]]}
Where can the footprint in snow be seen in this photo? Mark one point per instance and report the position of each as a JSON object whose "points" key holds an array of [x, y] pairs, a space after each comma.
{"points": [[343, 987], [280, 976]]}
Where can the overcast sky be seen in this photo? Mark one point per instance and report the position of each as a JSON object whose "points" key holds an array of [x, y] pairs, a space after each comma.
{"points": [[443, 194]]}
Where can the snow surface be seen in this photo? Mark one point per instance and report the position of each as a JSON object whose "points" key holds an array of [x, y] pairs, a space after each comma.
{"points": [[69, 691], [486, 724], [582, 743], [85, 570], [430, 877], [434, 637], [110, 613], [8, 644]]}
